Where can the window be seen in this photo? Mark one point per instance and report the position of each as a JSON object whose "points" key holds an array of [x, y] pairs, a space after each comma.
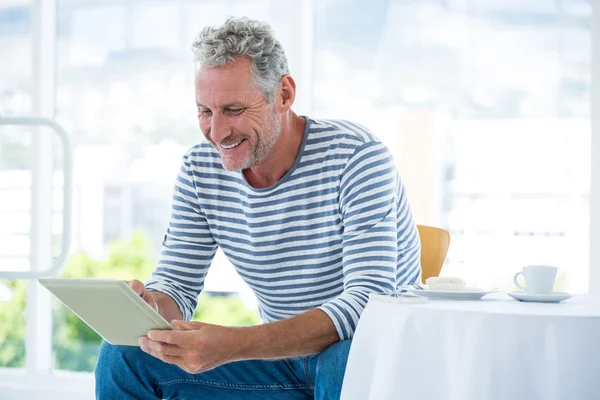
{"points": [[485, 106]]}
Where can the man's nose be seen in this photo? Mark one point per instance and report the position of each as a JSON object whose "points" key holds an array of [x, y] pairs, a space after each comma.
{"points": [[219, 128]]}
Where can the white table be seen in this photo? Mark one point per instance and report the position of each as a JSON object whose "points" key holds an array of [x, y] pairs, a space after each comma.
{"points": [[495, 348]]}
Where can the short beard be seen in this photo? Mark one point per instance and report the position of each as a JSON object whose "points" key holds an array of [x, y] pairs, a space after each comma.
{"points": [[264, 143]]}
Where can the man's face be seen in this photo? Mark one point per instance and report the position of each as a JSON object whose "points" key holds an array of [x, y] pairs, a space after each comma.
{"points": [[234, 116]]}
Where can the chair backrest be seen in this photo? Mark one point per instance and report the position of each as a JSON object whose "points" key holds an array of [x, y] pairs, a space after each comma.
{"points": [[434, 246]]}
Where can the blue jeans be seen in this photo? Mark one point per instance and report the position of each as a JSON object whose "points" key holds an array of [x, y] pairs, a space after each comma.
{"points": [[125, 372]]}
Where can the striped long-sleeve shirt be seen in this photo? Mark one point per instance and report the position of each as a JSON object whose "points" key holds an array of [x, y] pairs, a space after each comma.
{"points": [[335, 228]]}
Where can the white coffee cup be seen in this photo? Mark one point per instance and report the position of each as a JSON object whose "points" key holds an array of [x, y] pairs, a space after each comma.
{"points": [[539, 279]]}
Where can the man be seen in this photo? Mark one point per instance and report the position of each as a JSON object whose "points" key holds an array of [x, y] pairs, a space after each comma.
{"points": [[312, 214]]}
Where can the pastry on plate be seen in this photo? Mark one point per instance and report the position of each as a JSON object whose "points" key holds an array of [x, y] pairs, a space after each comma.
{"points": [[445, 283]]}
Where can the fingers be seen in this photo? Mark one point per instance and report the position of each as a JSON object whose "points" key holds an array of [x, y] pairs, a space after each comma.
{"points": [[137, 286], [180, 335], [165, 352], [175, 337], [184, 325], [160, 347], [150, 299]]}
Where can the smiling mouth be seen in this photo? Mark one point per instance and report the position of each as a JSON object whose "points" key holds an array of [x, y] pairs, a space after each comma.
{"points": [[232, 145]]}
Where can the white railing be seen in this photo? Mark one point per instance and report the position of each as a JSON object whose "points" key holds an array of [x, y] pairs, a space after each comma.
{"points": [[58, 262]]}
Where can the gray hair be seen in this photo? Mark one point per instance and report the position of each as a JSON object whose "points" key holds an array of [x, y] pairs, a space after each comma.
{"points": [[217, 46]]}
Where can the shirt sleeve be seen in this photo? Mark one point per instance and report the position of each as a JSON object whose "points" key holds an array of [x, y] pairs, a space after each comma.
{"points": [[381, 247], [187, 250]]}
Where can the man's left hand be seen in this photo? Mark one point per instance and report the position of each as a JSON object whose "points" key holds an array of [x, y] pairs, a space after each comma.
{"points": [[194, 346]]}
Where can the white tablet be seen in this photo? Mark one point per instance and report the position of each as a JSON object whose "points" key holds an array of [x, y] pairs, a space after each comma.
{"points": [[109, 307]]}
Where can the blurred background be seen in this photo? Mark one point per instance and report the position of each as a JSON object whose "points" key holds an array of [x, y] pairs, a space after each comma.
{"points": [[484, 104]]}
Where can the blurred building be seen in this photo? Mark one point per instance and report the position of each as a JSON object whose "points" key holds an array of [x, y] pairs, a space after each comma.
{"points": [[483, 103]]}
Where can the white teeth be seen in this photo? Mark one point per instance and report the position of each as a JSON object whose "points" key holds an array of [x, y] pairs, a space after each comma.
{"points": [[231, 146]]}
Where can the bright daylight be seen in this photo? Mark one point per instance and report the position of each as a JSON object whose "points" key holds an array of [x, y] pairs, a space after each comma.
{"points": [[299, 199]]}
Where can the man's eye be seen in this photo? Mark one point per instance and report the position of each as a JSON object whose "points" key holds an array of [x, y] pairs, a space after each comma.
{"points": [[206, 112], [235, 111]]}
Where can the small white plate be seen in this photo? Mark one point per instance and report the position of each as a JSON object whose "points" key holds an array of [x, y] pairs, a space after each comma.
{"points": [[466, 293], [553, 297]]}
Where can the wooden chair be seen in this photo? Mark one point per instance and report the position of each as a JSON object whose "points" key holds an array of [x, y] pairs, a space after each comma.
{"points": [[434, 246]]}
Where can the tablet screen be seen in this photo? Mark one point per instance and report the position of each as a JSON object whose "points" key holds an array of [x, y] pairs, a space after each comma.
{"points": [[109, 307]]}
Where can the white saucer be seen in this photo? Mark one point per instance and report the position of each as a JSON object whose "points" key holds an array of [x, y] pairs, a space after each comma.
{"points": [[466, 293], [553, 297]]}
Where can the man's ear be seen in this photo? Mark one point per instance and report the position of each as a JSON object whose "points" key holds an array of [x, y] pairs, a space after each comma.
{"points": [[286, 94]]}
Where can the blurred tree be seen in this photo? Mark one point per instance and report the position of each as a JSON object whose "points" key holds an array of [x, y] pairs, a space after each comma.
{"points": [[75, 344], [12, 326]]}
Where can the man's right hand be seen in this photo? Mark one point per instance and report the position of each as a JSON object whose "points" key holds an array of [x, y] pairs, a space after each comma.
{"points": [[140, 289]]}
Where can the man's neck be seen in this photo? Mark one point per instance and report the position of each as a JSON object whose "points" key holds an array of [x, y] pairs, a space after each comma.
{"points": [[280, 160]]}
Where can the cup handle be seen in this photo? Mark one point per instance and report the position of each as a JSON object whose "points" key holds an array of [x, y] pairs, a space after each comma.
{"points": [[515, 279]]}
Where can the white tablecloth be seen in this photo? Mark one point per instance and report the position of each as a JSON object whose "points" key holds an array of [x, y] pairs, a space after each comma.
{"points": [[496, 348]]}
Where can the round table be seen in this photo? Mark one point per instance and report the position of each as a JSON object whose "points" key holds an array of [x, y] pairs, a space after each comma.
{"points": [[495, 348]]}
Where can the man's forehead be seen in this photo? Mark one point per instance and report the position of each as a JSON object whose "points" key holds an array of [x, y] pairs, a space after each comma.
{"points": [[224, 88], [228, 91], [232, 83], [225, 96]]}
